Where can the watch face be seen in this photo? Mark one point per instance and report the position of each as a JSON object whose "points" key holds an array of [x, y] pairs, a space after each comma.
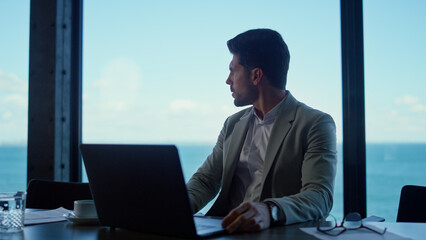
{"points": [[274, 213]]}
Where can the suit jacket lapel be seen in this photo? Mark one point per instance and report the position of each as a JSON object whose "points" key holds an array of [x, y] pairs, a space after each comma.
{"points": [[232, 156], [235, 145], [281, 127]]}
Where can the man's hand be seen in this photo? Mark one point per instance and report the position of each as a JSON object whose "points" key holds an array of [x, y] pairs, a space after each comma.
{"points": [[248, 217]]}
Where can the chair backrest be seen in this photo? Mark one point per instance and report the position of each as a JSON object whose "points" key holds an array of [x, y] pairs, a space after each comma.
{"points": [[412, 204], [45, 194]]}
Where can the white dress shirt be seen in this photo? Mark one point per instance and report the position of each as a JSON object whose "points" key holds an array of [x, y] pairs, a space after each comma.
{"points": [[249, 170]]}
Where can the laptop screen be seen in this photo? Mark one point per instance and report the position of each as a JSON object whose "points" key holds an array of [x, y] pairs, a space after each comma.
{"points": [[139, 187]]}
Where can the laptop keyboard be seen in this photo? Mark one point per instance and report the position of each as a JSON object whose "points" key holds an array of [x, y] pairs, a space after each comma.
{"points": [[203, 224], [202, 227]]}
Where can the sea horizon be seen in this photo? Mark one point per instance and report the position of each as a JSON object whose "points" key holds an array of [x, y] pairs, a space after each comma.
{"points": [[389, 166]]}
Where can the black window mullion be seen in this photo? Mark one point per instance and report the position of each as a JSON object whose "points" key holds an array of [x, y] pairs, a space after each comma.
{"points": [[354, 171]]}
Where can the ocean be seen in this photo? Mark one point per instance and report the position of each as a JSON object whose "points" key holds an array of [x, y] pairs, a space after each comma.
{"points": [[389, 167]]}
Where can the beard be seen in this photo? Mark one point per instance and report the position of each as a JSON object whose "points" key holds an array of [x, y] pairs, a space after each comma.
{"points": [[248, 97]]}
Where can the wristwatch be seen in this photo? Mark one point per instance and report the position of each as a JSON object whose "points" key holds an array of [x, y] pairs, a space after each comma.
{"points": [[273, 209]]}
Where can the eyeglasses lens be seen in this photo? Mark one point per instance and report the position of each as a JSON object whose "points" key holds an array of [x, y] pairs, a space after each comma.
{"points": [[352, 221], [326, 225]]}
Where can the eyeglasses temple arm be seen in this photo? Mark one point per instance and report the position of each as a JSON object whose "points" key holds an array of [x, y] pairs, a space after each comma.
{"points": [[371, 229]]}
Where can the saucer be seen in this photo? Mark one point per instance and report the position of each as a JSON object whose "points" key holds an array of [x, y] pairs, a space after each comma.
{"points": [[78, 220]]}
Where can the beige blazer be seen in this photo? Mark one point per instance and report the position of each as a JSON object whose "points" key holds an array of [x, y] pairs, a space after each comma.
{"points": [[299, 167]]}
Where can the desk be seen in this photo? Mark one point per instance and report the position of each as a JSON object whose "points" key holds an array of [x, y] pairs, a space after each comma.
{"points": [[67, 230]]}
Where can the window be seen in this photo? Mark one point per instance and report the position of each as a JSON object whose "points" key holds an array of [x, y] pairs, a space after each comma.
{"points": [[395, 101], [154, 72], [14, 23]]}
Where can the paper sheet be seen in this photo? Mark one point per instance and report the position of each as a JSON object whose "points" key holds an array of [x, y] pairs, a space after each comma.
{"points": [[353, 234], [407, 229], [45, 216]]}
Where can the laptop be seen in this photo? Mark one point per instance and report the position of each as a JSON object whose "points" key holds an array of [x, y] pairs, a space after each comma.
{"points": [[142, 188]]}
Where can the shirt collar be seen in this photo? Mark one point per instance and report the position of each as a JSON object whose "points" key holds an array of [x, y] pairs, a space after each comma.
{"points": [[271, 115]]}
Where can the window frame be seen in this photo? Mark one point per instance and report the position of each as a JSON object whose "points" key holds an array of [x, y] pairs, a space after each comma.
{"points": [[59, 158]]}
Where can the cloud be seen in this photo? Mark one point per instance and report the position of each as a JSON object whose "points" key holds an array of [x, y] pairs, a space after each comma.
{"points": [[412, 103], [114, 93], [405, 121], [15, 100], [181, 120], [182, 105], [111, 102], [119, 78], [13, 108], [10, 82], [406, 100], [193, 121], [120, 108], [13, 91], [394, 126], [7, 115]]}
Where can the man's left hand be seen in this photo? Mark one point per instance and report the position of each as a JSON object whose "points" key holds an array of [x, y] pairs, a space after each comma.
{"points": [[248, 217]]}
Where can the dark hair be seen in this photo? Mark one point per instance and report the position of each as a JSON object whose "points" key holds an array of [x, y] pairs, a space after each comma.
{"points": [[265, 49]]}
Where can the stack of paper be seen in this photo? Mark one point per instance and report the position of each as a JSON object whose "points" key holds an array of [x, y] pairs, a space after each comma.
{"points": [[45, 216]]}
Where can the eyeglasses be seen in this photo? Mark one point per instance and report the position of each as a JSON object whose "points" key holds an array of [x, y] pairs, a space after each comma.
{"points": [[352, 221]]}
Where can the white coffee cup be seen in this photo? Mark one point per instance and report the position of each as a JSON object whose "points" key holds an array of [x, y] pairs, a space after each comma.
{"points": [[85, 209]]}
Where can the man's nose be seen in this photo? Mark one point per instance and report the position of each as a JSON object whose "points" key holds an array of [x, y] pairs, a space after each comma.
{"points": [[228, 81]]}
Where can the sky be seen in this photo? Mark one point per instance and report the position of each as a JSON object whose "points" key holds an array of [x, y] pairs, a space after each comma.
{"points": [[154, 72]]}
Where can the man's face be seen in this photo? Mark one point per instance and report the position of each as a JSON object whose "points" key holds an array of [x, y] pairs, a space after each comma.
{"points": [[242, 88]]}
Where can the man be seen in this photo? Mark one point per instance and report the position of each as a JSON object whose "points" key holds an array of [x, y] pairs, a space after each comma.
{"points": [[275, 162]]}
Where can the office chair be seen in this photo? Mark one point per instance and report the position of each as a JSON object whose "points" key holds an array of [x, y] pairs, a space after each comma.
{"points": [[412, 204], [46, 194]]}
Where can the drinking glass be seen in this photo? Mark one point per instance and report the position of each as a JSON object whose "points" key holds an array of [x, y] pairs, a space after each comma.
{"points": [[12, 211]]}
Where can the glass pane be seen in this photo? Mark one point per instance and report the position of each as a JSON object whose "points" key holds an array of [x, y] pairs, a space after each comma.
{"points": [[154, 72], [395, 56], [14, 42]]}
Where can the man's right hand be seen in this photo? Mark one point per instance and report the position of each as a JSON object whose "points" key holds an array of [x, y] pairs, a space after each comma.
{"points": [[248, 217]]}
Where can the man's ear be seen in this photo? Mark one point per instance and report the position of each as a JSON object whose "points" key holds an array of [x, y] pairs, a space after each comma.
{"points": [[256, 76]]}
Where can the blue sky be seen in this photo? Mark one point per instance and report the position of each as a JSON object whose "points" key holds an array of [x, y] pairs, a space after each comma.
{"points": [[156, 71]]}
